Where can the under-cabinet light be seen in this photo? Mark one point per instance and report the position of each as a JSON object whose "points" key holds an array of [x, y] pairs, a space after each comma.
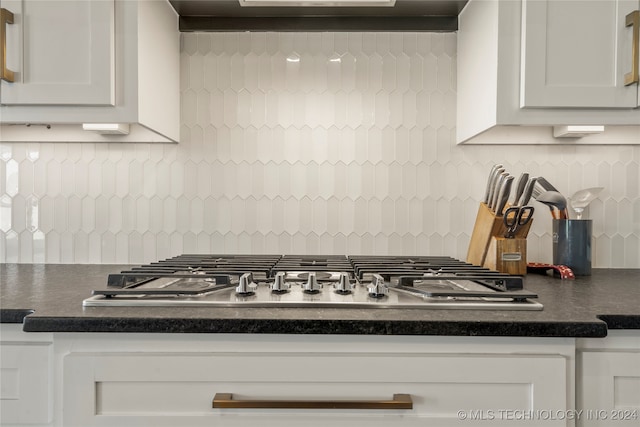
{"points": [[107, 128], [318, 3], [573, 131]]}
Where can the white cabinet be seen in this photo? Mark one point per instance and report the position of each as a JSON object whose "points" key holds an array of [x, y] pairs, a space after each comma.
{"points": [[141, 381], [608, 380], [525, 66], [575, 54], [26, 396], [61, 52], [119, 65], [87, 379]]}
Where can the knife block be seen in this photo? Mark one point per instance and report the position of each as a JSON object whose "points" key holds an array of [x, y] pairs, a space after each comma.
{"points": [[488, 225], [507, 255]]}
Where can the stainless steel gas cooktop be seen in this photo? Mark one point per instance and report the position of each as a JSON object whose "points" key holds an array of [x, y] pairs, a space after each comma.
{"points": [[314, 281]]}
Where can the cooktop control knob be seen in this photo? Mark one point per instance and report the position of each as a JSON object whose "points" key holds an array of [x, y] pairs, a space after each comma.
{"points": [[246, 286], [279, 286], [378, 288], [343, 286], [312, 286]]}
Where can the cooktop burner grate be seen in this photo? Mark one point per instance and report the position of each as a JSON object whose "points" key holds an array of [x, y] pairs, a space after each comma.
{"points": [[319, 280]]}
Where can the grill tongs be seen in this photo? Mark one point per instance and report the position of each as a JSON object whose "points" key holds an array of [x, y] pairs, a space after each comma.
{"points": [[493, 287]]}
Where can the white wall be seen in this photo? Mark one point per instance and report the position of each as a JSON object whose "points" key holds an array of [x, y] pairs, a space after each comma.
{"points": [[299, 143]]}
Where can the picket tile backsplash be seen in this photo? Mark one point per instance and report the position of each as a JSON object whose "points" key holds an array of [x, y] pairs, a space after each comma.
{"points": [[314, 143]]}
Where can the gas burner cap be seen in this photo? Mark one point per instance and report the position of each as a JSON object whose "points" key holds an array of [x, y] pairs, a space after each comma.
{"points": [[189, 284], [432, 272], [319, 275]]}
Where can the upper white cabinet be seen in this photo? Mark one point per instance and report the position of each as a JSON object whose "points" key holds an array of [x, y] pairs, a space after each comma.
{"points": [[576, 54], [98, 62], [526, 66], [60, 53]]}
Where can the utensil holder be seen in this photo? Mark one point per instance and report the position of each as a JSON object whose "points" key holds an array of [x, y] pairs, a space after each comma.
{"points": [[572, 244], [488, 225]]}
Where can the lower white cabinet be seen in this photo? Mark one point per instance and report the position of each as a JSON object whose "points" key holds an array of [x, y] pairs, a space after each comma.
{"points": [[86, 379], [608, 391], [26, 396], [139, 381]]}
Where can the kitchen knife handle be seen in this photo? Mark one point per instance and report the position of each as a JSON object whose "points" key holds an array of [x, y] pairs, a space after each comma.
{"points": [[633, 20], [492, 173], [399, 401], [6, 17], [522, 182], [504, 195], [528, 191], [496, 193], [493, 182]]}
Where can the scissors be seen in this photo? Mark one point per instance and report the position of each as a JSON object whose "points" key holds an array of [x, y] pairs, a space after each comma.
{"points": [[516, 217]]}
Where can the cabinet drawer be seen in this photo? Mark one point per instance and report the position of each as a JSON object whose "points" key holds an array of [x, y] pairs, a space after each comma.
{"points": [[160, 389]]}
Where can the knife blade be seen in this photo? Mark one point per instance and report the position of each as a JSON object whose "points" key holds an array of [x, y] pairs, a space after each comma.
{"points": [[494, 181], [522, 182], [528, 191], [505, 191], [489, 181], [496, 191]]}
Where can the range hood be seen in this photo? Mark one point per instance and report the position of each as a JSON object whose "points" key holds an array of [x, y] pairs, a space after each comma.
{"points": [[329, 15]]}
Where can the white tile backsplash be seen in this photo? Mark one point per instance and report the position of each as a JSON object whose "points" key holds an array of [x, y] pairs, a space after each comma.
{"points": [[318, 143]]}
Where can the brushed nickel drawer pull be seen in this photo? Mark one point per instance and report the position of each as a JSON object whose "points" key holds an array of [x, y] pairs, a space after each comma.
{"points": [[633, 21], [6, 17], [399, 401]]}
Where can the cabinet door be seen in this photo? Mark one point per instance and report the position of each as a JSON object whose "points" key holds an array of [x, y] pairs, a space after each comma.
{"points": [[608, 388], [25, 380], [62, 53], [575, 53]]}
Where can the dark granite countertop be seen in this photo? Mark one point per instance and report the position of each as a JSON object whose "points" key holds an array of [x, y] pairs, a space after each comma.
{"points": [[48, 298]]}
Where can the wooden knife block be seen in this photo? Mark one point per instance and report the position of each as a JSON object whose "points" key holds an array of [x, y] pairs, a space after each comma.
{"points": [[487, 227], [507, 255]]}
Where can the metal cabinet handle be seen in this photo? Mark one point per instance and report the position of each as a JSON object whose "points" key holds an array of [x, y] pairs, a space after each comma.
{"points": [[6, 17], [399, 401], [633, 20]]}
